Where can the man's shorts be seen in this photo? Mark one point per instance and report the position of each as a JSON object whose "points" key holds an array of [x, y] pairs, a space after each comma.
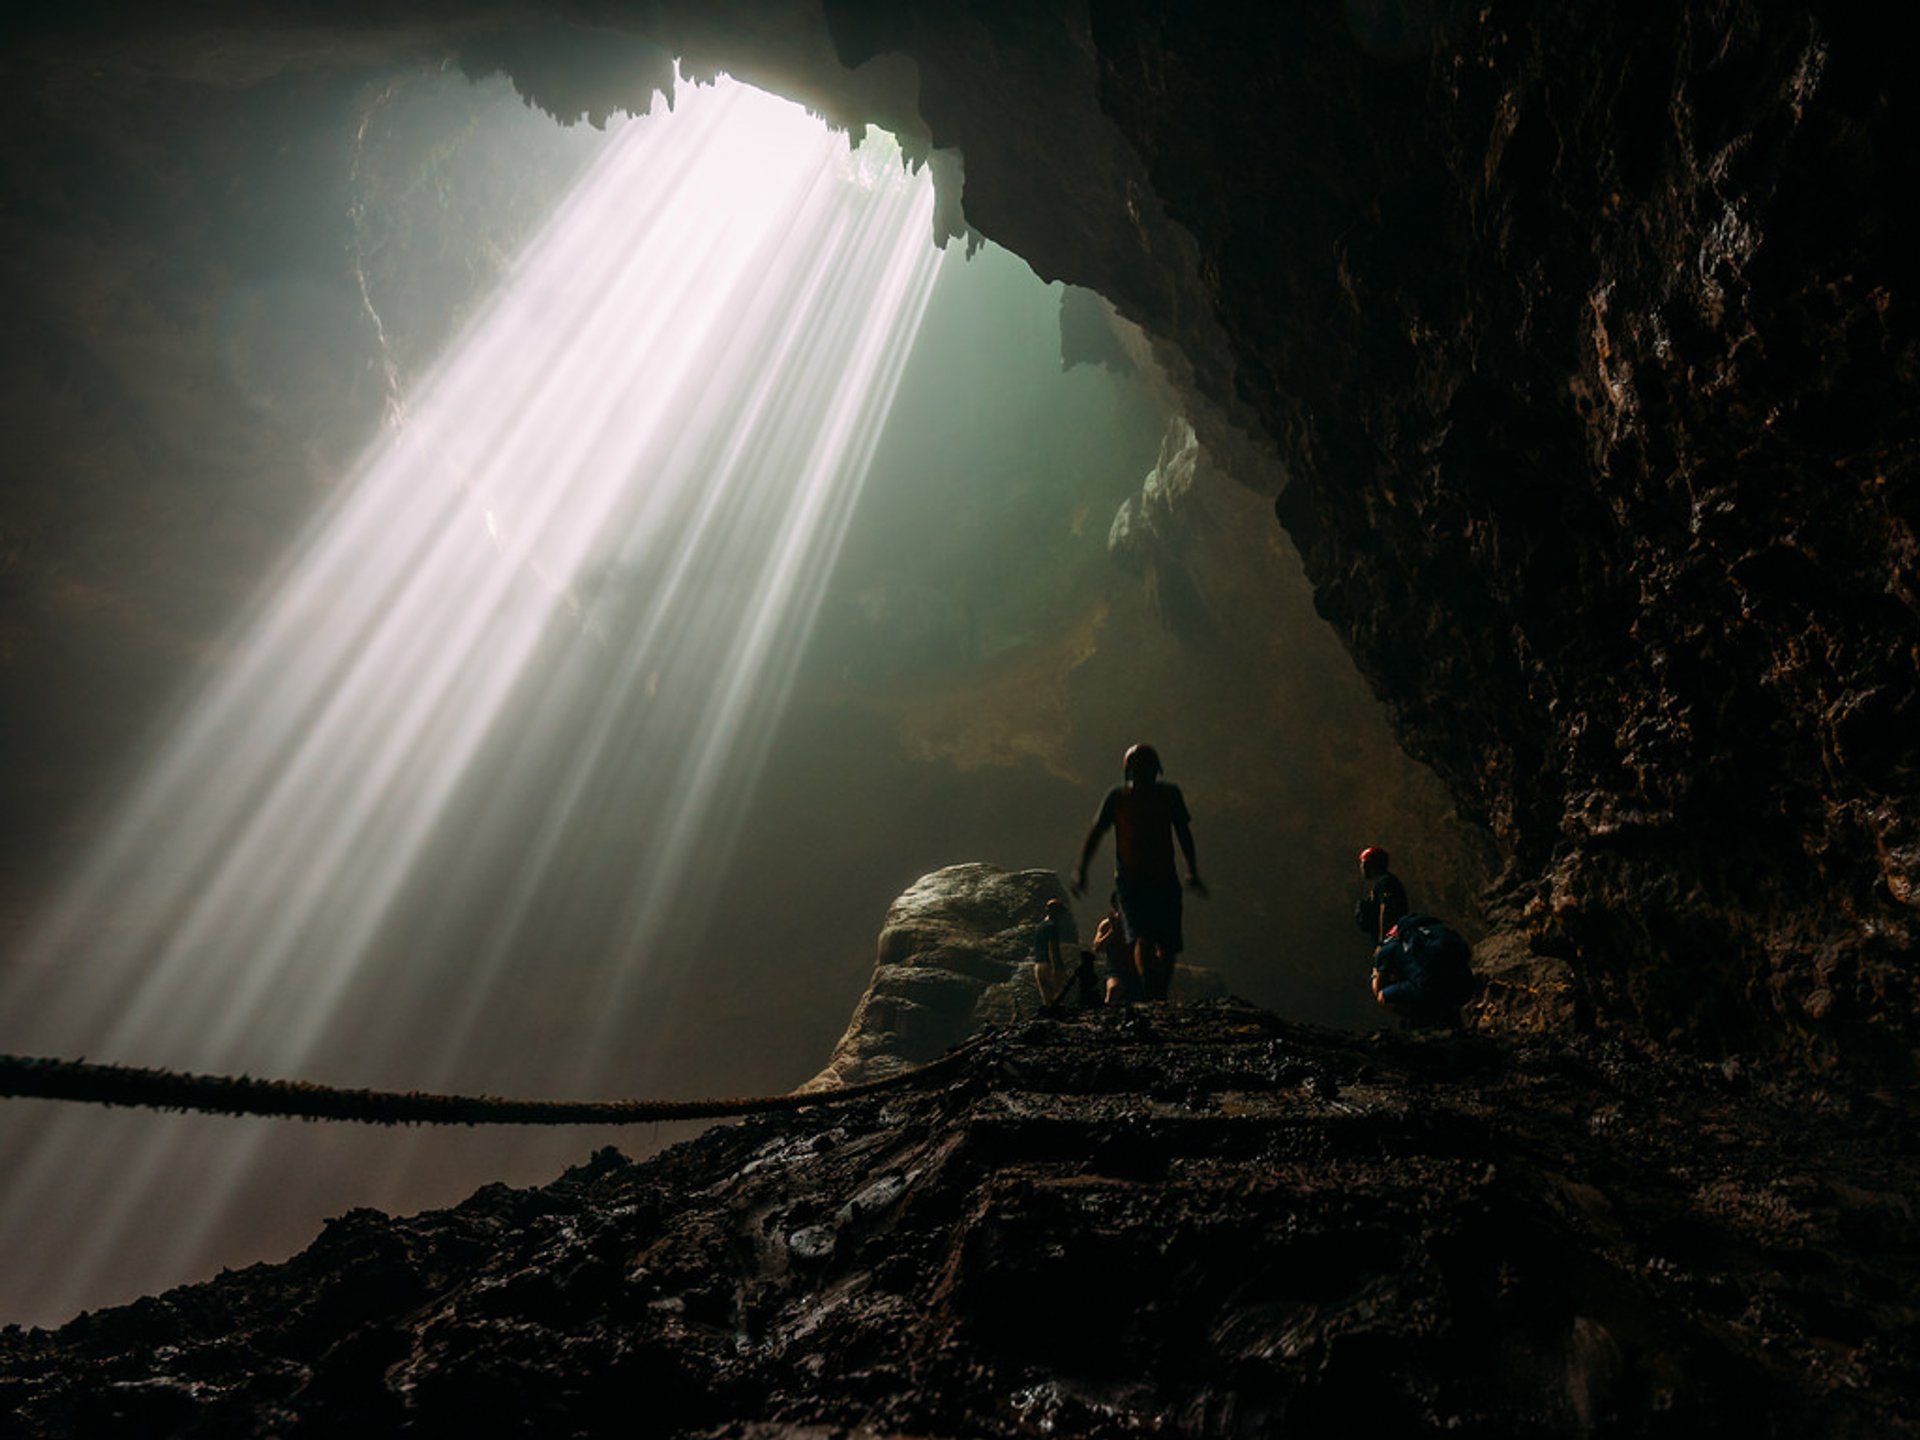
{"points": [[1151, 912]]}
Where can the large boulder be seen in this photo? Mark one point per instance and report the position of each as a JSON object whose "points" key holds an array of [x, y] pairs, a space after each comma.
{"points": [[957, 953]]}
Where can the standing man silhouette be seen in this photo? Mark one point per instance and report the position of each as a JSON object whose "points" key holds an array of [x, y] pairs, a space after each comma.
{"points": [[1146, 815]]}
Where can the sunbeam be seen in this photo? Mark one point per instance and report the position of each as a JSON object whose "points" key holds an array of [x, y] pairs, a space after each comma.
{"points": [[529, 659]]}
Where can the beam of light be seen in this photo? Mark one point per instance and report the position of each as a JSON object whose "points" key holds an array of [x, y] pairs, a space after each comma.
{"points": [[527, 665]]}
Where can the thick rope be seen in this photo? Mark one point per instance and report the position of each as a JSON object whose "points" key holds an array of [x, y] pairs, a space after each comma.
{"points": [[26, 1076]]}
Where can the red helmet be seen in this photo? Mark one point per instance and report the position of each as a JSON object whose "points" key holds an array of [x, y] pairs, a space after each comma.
{"points": [[1371, 856], [1143, 759]]}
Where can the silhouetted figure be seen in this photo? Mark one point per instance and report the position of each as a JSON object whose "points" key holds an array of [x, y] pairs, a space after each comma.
{"points": [[1049, 960], [1051, 976], [1146, 815], [1386, 897]]}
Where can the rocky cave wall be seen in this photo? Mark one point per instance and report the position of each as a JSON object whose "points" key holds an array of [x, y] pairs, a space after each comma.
{"points": [[1584, 341], [1583, 338]]}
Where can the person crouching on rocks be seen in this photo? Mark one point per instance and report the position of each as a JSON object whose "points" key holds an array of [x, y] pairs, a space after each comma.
{"points": [[1146, 815], [1423, 972]]}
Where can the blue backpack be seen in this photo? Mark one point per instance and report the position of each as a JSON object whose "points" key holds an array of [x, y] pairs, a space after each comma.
{"points": [[1435, 960]]}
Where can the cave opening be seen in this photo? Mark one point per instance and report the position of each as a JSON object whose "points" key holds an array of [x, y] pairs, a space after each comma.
{"points": [[362, 856]]}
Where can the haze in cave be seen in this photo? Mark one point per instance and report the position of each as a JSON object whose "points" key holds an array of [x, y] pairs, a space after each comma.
{"points": [[1526, 390], [735, 557]]}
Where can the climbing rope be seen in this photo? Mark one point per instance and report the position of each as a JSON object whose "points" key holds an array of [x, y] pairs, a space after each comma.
{"points": [[26, 1076]]}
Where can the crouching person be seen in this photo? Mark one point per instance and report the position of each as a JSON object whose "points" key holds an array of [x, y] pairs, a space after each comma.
{"points": [[1423, 972]]}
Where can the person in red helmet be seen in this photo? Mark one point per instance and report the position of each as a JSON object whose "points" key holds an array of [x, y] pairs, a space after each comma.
{"points": [[1146, 815], [1386, 898]]}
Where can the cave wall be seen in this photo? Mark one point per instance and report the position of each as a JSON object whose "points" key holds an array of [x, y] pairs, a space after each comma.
{"points": [[1581, 338], [1584, 336]]}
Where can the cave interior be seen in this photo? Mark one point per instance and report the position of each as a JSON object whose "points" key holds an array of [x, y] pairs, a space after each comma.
{"points": [[1534, 392]]}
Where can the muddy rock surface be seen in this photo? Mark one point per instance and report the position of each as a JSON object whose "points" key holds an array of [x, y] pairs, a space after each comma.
{"points": [[1188, 1220]]}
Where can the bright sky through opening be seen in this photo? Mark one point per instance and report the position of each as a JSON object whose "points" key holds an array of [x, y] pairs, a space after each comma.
{"points": [[573, 581]]}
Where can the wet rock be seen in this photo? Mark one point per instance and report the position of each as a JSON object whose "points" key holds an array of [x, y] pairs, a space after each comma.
{"points": [[815, 1242], [1148, 1233], [955, 953]]}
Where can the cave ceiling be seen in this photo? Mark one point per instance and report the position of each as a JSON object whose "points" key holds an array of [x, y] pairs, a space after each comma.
{"points": [[1578, 343]]}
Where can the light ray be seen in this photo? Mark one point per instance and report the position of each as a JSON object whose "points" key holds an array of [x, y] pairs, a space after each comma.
{"points": [[535, 649]]}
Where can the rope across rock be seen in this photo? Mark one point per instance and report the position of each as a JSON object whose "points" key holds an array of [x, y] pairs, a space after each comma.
{"points": [[126, 1085]]}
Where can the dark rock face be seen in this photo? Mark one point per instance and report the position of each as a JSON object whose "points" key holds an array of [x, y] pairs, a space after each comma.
{"points": [[1582, 339], [1188, 1221], [1583, 342]]}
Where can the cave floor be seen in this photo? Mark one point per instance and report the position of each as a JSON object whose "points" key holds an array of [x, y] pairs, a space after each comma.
{"points": [[1197, 1220]]}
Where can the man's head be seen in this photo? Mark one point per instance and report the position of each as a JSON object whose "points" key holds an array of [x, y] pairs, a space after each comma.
{"points": [[1373, 862], [1141, 764], [1056, 909]]}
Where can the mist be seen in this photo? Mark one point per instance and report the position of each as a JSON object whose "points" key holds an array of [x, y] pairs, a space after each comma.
{"points": [[975, 648]]}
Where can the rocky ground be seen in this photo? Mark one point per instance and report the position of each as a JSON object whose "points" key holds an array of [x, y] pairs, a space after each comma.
{"points": [[1188, 1220]]}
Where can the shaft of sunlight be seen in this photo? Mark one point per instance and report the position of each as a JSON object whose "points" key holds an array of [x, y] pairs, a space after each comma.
{"points": [[536, 647]]}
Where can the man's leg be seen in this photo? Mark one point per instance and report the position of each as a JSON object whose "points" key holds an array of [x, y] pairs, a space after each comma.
{"points": [[1164, 929], [1159, 973], [1123, 975]]}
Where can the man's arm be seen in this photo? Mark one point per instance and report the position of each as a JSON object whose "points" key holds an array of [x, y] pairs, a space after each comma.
{"points": [[1183, 832]]}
